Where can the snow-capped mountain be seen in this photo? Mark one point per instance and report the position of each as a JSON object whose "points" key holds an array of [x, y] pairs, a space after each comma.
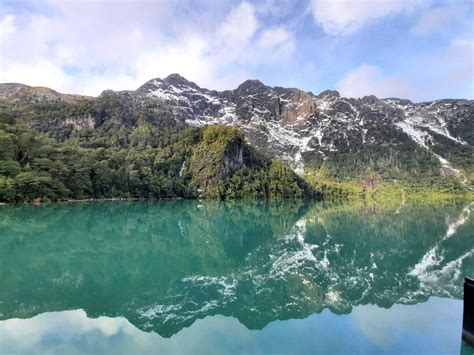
{"points": [[306, 129], [347, 136]]}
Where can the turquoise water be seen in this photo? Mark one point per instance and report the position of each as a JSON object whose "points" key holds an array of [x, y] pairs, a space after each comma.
{"points": [[205, 277]]}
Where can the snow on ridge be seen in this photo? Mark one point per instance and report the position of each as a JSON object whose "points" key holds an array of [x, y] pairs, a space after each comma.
{"points": [[330, 115], [187, 95], [418, 136], [425, 117], [227, 117], [440, 128], [422, 138], [296, 141]]}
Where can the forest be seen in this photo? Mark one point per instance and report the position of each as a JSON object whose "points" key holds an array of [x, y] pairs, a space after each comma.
{"points": [[37, 167]]}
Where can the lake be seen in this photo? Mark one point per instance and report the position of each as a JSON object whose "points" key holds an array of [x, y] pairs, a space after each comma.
{"points": [[128, 277]]}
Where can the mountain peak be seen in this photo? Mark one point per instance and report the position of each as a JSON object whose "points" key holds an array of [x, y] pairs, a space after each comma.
{"points": [[174, 80], [329, 93], [178, 80], [175, 77], [251, 85]]}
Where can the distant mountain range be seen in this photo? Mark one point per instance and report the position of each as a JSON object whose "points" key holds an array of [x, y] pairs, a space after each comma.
{"points": [[344, 137]]}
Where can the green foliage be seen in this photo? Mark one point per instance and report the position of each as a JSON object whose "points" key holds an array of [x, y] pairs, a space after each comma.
{"points": [[7, 189], [6, 146], [410, 162], [372, 186], [9, 168], [139, 162], [221, 136], [269, 179]]}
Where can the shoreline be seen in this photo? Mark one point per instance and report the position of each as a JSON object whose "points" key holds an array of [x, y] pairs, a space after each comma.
{"points": [[109, 199], [407, 198]]}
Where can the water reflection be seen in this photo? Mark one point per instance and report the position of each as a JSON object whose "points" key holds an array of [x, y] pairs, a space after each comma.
{"points": [[368, 329], [164, 265]]}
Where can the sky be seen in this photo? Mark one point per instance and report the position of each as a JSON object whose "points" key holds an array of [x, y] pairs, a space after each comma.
{"points": [[415, 49]]}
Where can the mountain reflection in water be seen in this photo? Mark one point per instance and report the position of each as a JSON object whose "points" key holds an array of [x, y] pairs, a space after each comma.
{"points": [[163, 265]]}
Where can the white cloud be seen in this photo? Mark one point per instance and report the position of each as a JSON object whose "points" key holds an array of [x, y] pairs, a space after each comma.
{"points": [[279, 39], [240, 25], [446, 73], [342, 17], [273, 37], [88, 47], [369, 80], [436, 19], [457, 61], [382, 326], [36, 73], [276, 8], [7, 28]]}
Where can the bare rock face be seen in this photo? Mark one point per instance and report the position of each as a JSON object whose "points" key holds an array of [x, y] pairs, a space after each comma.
{"points": [[232, 161], [298, 108], [79, 122]]}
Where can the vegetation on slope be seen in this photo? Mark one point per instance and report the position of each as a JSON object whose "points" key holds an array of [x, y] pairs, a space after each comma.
{"points": [[375, 186], [213, 160]]}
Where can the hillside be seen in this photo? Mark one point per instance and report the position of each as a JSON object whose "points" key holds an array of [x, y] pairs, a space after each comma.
{"points": [[323, 137], [213, 161]]}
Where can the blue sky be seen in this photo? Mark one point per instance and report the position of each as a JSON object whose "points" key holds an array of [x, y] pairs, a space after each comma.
{"points": [[416, 49]]}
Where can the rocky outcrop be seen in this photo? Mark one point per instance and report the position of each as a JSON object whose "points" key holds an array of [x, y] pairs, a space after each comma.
{"points": [[301, 106], [79, 122], [231, 161], [218, 156]]}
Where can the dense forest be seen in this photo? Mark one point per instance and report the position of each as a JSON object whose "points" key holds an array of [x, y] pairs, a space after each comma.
{"points": [[213, 161]]}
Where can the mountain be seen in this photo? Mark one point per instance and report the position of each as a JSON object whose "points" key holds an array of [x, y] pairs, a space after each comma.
{"points": [[307, 130], [324, 135]]}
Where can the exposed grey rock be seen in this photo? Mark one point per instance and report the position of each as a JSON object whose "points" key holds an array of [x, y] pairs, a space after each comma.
{"points": [[306, 129]]}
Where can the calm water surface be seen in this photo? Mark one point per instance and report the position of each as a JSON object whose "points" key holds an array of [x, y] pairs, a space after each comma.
{"points": [[193, 277]]}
